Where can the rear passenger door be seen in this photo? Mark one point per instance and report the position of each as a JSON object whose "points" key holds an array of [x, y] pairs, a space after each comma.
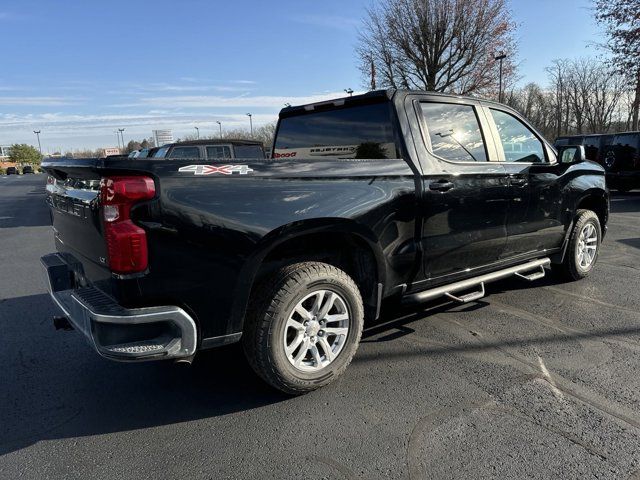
{"points": [[534, 218], [466, 195]]}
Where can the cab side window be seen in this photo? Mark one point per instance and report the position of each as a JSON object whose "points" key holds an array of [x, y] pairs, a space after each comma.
{"points": [[218, 152], [454, 132], [185, 152], [518, 142]]}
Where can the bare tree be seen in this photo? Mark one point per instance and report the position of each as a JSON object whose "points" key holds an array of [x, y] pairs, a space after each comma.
{"points": [[437, 45], [266, 133], [537, 105], [621, 19], [602, 96]]}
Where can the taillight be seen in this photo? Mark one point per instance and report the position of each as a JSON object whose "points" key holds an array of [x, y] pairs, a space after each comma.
{"points": [[126, 242]]}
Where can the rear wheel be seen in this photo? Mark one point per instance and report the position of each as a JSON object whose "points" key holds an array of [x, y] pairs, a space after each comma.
{"points": [[303, 326], [583, 248]]}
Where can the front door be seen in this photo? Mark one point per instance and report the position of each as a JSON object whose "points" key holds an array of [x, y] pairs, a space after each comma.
{"points": [[534, 219], [466, 195]]}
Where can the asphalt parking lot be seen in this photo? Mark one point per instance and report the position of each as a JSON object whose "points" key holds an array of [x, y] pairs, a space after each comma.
{"points": [[535, 381]]}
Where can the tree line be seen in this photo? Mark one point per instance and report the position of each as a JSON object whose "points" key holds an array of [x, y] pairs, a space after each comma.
{"points": [[264, 133], [460, 46], [582, 96]]}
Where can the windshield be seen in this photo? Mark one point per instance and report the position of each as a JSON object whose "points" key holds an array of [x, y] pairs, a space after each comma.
{"points": [[356, 132]]}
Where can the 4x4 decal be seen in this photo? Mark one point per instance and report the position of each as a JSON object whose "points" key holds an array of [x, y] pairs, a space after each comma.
{"points": [[211, 169]]}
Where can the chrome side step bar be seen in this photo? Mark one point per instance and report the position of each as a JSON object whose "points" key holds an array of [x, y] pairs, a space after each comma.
{"points": [[522, 271]]}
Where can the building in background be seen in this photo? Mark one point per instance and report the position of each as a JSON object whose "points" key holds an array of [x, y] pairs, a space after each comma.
{"points": [[162, 137], [110, 151], [4, 152]]}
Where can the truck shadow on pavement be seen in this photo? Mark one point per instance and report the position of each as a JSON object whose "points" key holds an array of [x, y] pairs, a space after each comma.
{"points": [[56, 387]]}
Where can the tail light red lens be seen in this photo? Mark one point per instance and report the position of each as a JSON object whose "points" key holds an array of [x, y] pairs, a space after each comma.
{"points": [[126, 242]]}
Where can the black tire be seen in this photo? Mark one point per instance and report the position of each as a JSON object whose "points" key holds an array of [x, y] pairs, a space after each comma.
{"points": [[265, 326], [570, 269]]}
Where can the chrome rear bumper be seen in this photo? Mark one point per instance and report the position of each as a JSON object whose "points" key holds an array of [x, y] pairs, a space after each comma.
{"points": [[115, 332]]}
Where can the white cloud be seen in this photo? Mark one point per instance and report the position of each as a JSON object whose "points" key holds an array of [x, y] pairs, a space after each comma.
{"points": [[244, 101], [79, 125], [67, 130], [326, 21], [39, 101]]}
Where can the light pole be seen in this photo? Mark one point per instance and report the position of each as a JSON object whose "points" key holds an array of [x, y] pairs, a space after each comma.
{"points": [[118, 137], [500, 58], [250, 122], [37, 132], [219, 125], [121, 130], [198, 132], [348, 91]]}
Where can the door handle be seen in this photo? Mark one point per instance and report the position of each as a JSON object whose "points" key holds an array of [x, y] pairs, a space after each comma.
{"points": [[441, 185], [517, 181]]}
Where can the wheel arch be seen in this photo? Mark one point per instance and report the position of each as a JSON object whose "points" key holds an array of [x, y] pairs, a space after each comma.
{"points": [[343, 243], [596, 200]]}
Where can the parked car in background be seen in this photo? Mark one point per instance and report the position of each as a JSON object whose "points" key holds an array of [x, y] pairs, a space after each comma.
{"points": [[622, 161], [12, 171], [594, 144], [27, 169], [147, 152], [223, 149], [618, 153], [391, 195]]}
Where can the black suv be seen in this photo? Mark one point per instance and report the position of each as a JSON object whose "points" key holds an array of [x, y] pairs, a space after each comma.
{"points": [[27, 169], [12, 171], [594, 144], [621, 159]]}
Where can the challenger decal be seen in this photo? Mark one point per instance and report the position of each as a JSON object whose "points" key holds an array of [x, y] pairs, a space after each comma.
{"points": [[211, 169]]}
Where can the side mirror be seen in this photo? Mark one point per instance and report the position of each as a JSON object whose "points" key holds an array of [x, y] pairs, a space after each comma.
{"points": [[571, 154]]}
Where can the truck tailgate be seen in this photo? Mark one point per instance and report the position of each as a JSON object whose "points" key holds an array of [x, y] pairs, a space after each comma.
{"points": [[76, 220]]}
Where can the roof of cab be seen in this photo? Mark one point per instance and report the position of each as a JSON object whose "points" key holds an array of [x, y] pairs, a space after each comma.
{"points": [[215, 141], [375, 96]]}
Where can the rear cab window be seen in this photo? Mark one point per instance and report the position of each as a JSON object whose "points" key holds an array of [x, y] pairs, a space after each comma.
{"points": [[361, 131]]}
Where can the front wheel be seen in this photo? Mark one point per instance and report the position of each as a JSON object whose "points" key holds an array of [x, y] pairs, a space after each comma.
{"points": [[303, 326], [583, 248]]}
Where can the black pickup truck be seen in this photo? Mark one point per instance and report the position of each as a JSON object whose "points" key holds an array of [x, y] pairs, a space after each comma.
{"points": [[388, 195]]}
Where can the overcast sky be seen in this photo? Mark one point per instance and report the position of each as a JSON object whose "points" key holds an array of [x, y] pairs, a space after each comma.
{"points": [[78, 70]]}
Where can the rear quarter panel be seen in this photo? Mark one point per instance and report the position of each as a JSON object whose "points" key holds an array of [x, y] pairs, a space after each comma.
{"points": [[216, 229]]}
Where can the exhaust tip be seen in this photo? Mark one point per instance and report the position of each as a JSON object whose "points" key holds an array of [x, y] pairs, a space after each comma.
{"points": [[62, 323]]}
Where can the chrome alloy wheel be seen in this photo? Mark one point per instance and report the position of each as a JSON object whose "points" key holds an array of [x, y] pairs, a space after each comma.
{"points": [[316, 330], [587, 246]]}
